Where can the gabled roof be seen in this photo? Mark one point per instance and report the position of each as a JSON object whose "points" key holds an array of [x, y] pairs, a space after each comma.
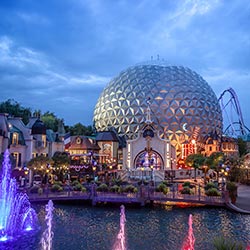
{"points": [[82, 142], [3, 125], [106, 136], [18, 123]]}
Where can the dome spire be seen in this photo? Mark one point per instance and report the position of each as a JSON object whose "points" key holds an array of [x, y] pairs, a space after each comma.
{"points": [[148, 115]]}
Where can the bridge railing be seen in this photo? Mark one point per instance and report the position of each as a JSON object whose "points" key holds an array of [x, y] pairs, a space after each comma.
{"points": [[144, 193]]}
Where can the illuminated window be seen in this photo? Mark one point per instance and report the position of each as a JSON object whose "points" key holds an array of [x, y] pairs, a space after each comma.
{"points": [[44, 140], [15, 138], [16, 158]]}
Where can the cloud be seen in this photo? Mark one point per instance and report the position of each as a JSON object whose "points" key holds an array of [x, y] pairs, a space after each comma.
{"points": [[30, 77]]}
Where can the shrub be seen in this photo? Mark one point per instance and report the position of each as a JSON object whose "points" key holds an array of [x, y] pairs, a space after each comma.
{"points": [[186, 190], [79, 187], [231, 186], [117, 182], [102, 188], [130, 189], [210, 185], [75, 182], [220, 243], [56, 188], [162, 188], [212, 192], [115, 189], [34, 189], [58, 183], [186, 184]]}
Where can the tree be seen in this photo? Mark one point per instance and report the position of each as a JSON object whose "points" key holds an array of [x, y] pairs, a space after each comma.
{"points": [[79, 129], [41, 164], [50, 120], [242, 145], [195, 161], [61, 161], [214, 161], [14, 108]]}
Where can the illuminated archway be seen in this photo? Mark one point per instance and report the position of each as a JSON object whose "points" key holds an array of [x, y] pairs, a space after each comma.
{"points": [[146, 160]]}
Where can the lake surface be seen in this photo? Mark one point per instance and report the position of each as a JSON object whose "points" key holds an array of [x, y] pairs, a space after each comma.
{"points": [[158, 228]]}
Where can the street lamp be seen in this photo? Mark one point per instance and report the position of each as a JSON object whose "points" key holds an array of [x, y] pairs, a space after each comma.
{"points": [[152, 169], [94, 169]]}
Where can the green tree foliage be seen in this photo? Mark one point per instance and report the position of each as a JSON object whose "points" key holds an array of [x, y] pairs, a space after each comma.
{"points": [[40, 161], [195, 161], [60, 159], [15, 109], [50, 120], [242, 145], [214, 161], [79, 129]]}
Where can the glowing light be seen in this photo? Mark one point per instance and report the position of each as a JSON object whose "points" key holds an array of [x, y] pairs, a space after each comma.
{"points": [[4, 238], [29, 228], [16, 213]]}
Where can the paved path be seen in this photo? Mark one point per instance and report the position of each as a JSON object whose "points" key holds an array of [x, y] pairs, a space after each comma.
{"points": [[243, 199]]}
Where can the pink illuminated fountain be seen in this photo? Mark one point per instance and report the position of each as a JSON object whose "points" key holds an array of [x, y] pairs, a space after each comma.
{"points": [[189, 241], [16, 215], [120, 243], [47, 236]]}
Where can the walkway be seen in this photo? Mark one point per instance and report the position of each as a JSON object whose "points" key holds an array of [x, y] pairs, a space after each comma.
{"points": [[243, 199], [143, 197]]}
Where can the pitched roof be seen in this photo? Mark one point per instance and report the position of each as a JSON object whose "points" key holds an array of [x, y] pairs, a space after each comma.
{"points": [[106, 136]]}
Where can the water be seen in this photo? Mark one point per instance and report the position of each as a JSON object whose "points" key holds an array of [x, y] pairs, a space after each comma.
{"points": [[85, 227], [47, 235], [16, 214]]}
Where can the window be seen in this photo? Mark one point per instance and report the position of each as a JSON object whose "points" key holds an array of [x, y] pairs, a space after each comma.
{"points": [[15, 138], [44, 141], [16, 158]]}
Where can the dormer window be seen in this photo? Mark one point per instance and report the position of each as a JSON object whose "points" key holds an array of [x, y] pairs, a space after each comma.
{"points": [[15, 138]]}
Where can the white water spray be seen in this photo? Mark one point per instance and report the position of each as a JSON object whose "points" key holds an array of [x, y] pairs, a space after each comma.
{"points": [[47, 235]]}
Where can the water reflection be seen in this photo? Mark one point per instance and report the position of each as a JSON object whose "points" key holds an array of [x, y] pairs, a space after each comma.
{"points": [[82, 227]]}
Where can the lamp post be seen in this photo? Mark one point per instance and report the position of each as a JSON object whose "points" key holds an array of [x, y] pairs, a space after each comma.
{"points": [[152, 170], [94, 169], [171, 173]]}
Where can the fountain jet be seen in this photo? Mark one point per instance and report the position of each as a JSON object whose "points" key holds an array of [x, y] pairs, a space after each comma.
{"points": [[120, 243], [47, 236], [16, 215], [189, 241]]}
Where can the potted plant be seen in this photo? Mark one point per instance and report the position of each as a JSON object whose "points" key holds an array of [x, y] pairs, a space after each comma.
{"points": [[232, 191]]}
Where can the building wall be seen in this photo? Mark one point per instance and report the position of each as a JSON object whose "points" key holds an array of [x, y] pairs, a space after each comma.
{"points": [[134, 147]]}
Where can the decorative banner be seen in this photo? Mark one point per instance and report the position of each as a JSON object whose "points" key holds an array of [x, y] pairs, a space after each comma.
{"points": [[78, 168]]}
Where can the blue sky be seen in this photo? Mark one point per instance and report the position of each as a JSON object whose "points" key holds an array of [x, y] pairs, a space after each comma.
{"points": [[59, 55]]}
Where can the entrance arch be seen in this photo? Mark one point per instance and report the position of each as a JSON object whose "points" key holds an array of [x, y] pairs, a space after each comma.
{"points": [[144, 160]]}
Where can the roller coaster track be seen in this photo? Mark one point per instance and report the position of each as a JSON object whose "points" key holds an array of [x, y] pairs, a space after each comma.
{"points": [[236, 126]]}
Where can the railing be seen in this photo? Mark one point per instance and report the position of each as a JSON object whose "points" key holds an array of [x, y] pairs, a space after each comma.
{"points": [[144, 195]]}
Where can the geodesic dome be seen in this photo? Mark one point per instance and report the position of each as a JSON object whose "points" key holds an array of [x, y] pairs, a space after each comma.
{"points": [[182, 102]]}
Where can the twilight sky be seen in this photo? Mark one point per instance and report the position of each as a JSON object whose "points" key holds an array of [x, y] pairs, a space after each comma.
{"points": [[58, 55]]}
